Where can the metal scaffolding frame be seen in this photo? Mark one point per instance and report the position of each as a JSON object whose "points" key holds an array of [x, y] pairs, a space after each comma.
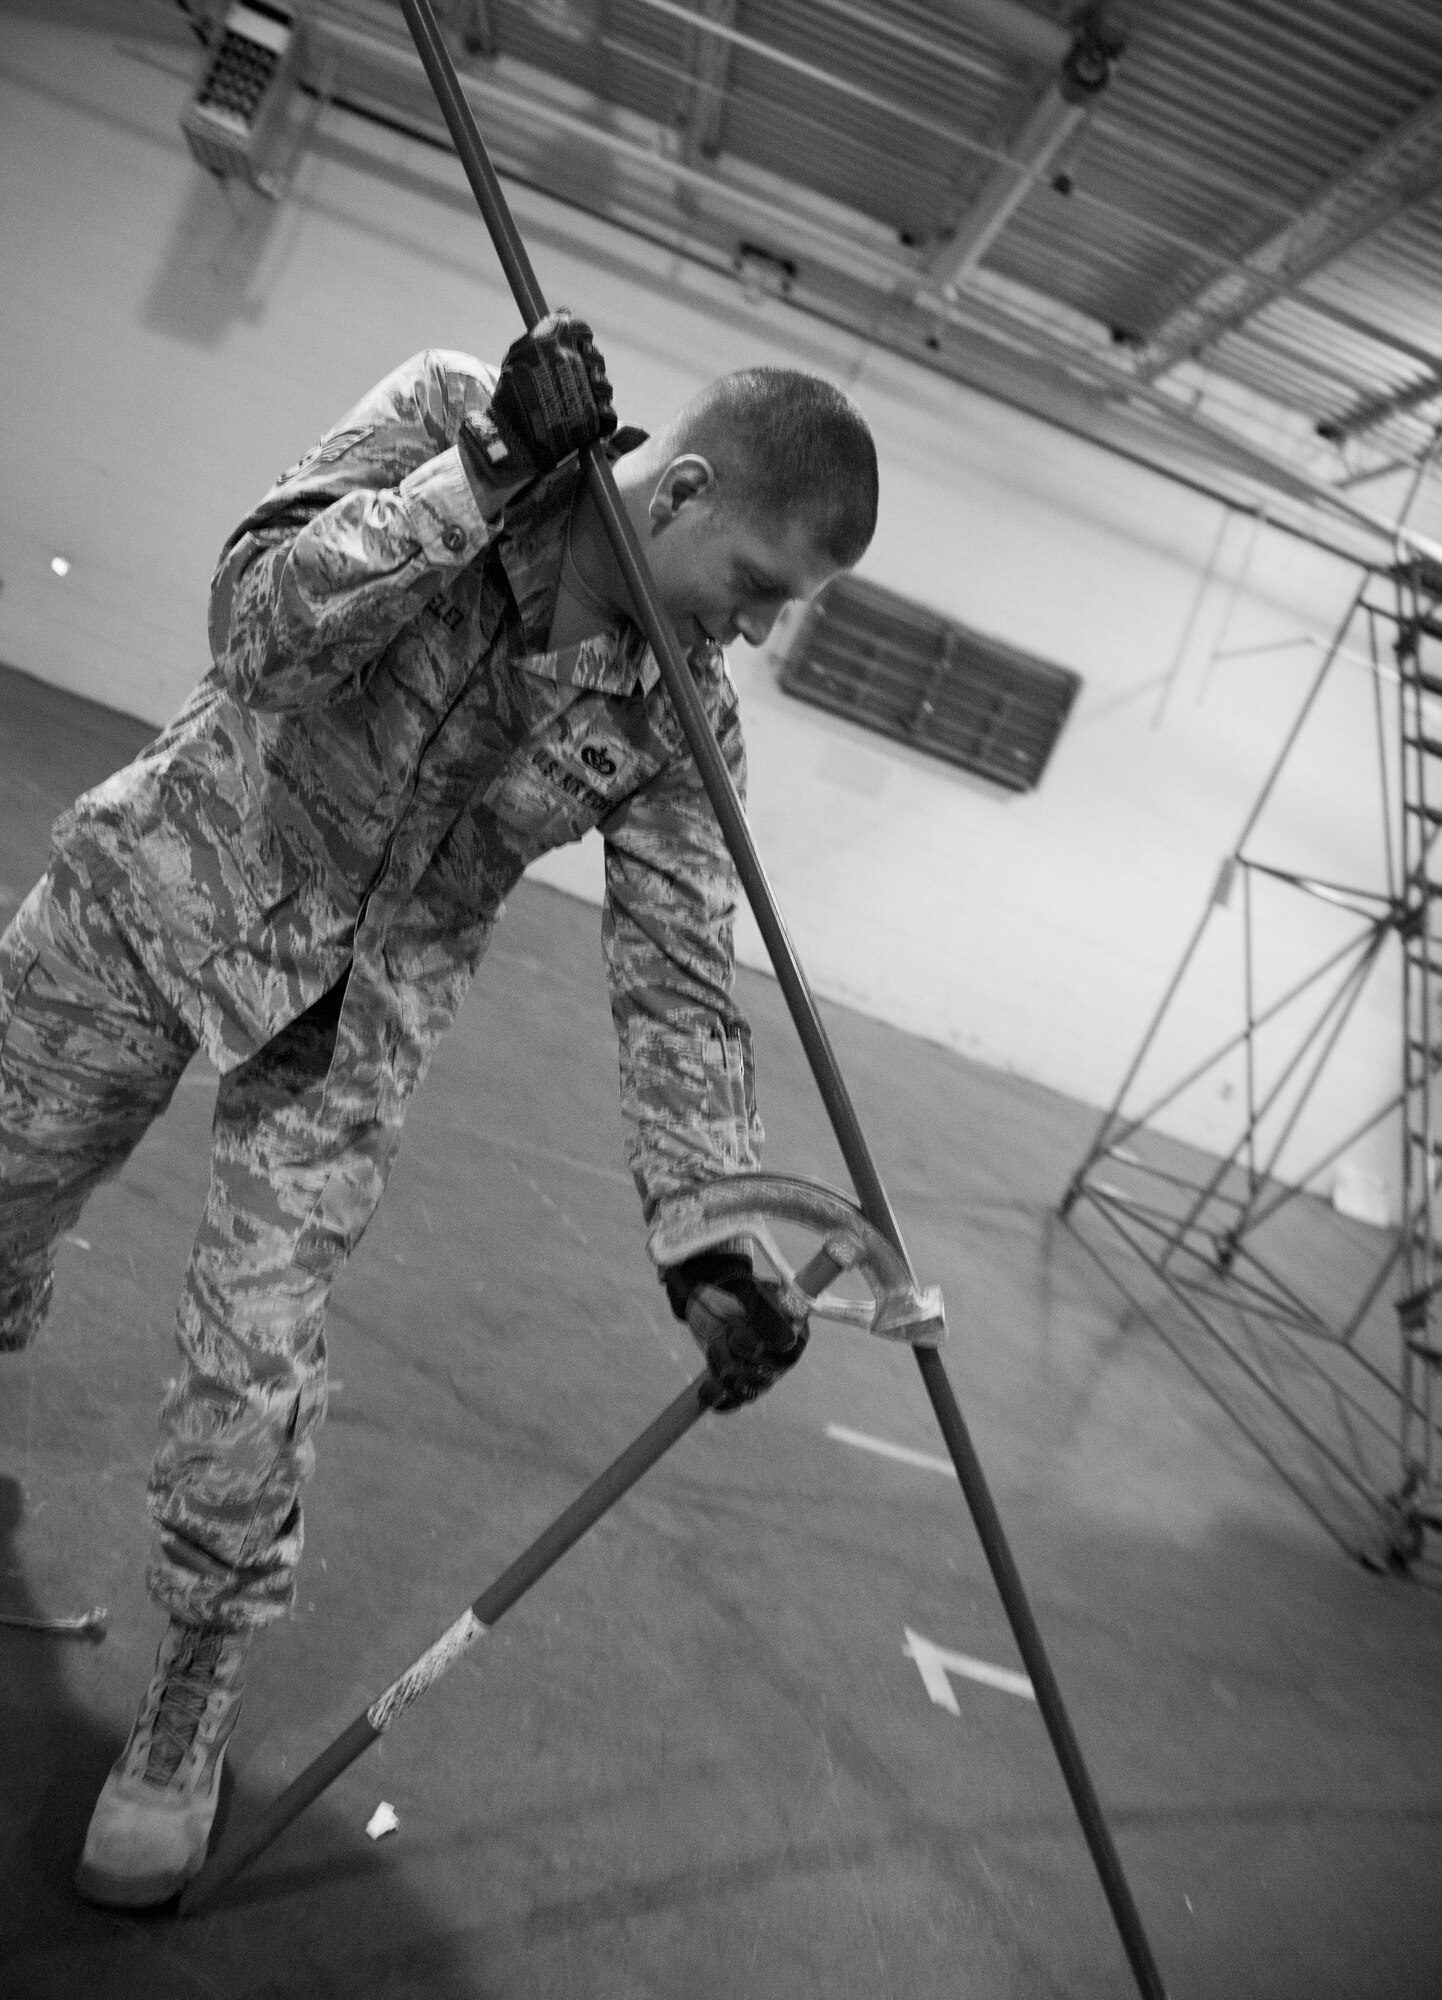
{"points": [[1419, 656], [1275, 1302]]}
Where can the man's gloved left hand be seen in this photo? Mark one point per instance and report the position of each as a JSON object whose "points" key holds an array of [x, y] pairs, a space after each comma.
{"points": [[738, 1321], [552, 398]]}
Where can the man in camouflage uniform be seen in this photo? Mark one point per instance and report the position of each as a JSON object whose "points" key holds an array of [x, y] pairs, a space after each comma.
{"points": [[424, 676]]}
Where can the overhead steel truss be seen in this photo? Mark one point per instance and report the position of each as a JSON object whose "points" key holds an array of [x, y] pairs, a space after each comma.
{"points": [[1400, 170], [666, 105]]}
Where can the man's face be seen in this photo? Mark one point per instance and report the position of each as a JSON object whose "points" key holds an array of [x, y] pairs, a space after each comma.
{"points": [[723, 574]]}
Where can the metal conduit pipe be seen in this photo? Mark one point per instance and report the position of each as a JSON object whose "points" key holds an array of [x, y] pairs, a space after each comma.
{"points": [[874, 1202]]}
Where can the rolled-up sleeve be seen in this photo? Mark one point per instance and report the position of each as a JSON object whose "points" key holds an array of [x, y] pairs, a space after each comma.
{"points": [[349, 544], [688, 1086]]}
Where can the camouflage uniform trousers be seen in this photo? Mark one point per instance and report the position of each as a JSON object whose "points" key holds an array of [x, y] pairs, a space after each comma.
{"points": [[90, 1054]]}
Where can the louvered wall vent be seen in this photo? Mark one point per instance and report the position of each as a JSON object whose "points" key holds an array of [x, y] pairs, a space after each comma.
{"points": [[892, 665]]}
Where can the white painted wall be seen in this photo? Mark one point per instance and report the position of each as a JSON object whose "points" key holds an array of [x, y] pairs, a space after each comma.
{"points": [[166, 349]]}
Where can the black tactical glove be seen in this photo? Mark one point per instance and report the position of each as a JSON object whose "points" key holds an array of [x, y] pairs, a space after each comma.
{"points": [[738, 1321], [552, 398]]}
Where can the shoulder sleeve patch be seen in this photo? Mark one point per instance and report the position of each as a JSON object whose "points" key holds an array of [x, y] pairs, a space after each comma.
{"points": [[331, 447]]}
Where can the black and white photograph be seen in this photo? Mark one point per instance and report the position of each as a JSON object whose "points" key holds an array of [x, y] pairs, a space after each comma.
{"points": [[720, 999]]}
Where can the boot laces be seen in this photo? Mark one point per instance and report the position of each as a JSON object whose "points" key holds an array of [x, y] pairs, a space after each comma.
{"points": [[184, 1697]]}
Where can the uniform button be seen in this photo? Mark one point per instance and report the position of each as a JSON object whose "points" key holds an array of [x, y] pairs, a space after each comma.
{"points": [[454, 538]]}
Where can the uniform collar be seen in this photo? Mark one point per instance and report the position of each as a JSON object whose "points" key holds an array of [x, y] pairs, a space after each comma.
{"points": [[530, 546]]}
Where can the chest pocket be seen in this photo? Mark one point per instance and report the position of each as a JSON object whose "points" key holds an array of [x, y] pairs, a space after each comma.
{"points": [[435, 653], [572, 770]]}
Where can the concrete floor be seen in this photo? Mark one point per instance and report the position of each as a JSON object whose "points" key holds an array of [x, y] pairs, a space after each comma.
{"points": [[696, 1760]]}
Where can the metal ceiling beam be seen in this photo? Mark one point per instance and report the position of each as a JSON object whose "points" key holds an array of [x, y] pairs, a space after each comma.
{"points": [[1398, 171], [703, 106], [1053, 118], [1050, 122]]}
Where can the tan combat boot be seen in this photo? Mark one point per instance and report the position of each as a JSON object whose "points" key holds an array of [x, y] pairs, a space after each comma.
{"points": [[152, 1821]]}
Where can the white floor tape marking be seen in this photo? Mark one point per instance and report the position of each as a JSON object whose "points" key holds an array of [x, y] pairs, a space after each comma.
{"points": [[934, 1663], [902, 1453]]}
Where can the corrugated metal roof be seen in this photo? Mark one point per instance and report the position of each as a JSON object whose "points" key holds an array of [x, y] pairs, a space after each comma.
{"points": [[1218, 146]]}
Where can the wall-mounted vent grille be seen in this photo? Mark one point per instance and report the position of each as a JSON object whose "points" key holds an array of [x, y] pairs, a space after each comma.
{"points": [[866, 653], [243, 91]]}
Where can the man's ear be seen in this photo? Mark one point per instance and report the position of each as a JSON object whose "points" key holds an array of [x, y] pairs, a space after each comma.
{"points": [[687, 478]]}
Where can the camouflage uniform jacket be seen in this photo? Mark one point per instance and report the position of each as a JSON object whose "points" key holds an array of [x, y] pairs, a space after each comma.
{"points": [[382, 746]]}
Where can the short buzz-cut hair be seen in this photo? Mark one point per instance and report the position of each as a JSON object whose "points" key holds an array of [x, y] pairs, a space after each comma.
{"points": [[786, 445]]}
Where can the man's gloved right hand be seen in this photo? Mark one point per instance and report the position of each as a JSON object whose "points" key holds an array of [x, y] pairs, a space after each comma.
{"points": [[552, 398], [738, 1322]]}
